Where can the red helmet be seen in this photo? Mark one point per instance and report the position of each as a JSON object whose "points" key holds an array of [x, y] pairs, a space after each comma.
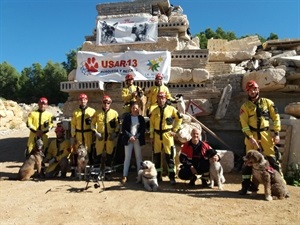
{"points": [[106, 98], [59, 128], [159, 76], [83, 96], [129, 77], [251, 84], [161, 95], [43, 100]]}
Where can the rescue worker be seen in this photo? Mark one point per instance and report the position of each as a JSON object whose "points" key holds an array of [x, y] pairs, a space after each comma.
{"points": [[130, 93], [165, 121], [194, 160], [81, 127], [39, 123], [153, 92], [105, 124], [57, 154], [254, 119]]}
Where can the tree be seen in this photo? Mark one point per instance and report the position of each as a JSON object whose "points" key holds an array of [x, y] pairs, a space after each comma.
{"points": [[9, 77], [71, 60]]}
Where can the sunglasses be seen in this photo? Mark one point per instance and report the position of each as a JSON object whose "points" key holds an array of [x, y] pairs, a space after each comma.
{"points": [[106, 103]]}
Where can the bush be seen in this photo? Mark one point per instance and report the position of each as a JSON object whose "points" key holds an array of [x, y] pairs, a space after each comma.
{"points": [[292, 176]]}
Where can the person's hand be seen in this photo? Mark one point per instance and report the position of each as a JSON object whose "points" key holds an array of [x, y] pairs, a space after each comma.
{"points": [[172, 133], [254, 143], [39, 133], [193, 170], [132, 139], [276, 139], [52, 160], [99, 136]]}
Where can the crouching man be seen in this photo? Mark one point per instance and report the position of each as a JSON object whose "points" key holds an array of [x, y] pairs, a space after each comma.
{"points": [[57, 154]]}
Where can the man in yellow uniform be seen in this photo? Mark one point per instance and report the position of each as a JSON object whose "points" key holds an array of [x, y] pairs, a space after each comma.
{"points": [[153, 92], [81, 120], [165, 121], [254, 118], [105, 124], [130, 92], [57, 154], [39, 122]]}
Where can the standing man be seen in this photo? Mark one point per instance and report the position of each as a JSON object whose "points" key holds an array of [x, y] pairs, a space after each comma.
{"points": [[81, 126], [57, 154], [165, 121], [130, 93], [153, 92], [39, 123], [254, 118], [105, 124]]}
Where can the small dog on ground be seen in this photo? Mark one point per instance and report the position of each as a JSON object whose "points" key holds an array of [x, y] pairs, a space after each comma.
{"points": [[34, 161], [215, 170], [263, 173], [148, 175], [82, 160]]}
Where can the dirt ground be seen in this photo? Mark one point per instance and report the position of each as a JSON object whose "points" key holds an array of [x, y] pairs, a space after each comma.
{"points": [[66, 201]]}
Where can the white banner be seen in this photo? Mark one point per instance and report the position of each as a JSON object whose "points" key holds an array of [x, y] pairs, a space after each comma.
{"points": [[127, 30], [113, 67]]}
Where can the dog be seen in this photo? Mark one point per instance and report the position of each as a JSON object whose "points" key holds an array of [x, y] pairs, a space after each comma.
{"points": [[82, 160], [180, 105], [263, 173], [141, 100], [33, 161], [148, 175], [215, 170]]}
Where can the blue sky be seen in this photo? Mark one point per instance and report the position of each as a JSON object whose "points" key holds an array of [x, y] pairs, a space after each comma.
{"points": [[38, 31]]}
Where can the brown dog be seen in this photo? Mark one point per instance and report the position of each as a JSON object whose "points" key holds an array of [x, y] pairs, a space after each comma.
{"points": [[33, 161], [263, 173]]}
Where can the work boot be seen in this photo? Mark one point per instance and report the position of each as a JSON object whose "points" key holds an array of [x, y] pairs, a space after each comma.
{"points": [[245, 187], [192, 181], [172, 181], [204, 183], [124, 180]]}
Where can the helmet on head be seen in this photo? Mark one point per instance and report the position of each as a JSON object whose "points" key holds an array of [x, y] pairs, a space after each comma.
{"points": [[251, 84], [129, 77], [106, 98], [83, 96], [43, 100], [161, 95], [59, 128], [159, 76]]}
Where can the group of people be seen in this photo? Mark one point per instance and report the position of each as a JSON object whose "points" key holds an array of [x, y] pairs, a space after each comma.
{"points": [[99, 129]]}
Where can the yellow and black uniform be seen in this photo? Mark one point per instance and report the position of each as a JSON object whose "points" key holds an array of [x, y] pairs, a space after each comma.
{"points": [[164, 120], [38, 121], [127, 96], [59, 153], [152, 96], [254, 119], [81, 126], [106, 124]]}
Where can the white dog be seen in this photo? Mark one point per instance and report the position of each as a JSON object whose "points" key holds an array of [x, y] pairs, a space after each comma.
{"points": [[82, 160], [215, 170], [148, 175]]}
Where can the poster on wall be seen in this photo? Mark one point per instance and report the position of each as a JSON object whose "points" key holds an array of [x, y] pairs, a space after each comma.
{"points": [[113, 67], [127, 30]]}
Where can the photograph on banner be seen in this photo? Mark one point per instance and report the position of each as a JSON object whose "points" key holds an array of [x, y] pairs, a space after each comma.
{"points": [[122, 30], [113, 67]]}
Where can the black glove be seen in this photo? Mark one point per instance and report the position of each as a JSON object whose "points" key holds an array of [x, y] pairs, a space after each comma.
{"points": [[88, 121], [46, 124]]}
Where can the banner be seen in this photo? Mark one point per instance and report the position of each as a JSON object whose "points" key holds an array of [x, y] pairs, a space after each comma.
{"points": [[113, 67], [127, 30]]}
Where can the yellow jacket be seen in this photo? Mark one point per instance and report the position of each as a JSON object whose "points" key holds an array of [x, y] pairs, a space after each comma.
{"points": [[64, 150], [127, 91], [248, 116], [152, 94], [76, 121], [108, 120], [171, 120]]}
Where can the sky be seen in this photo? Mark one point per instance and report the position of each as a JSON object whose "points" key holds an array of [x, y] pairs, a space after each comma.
{"points": [[38, 31]]}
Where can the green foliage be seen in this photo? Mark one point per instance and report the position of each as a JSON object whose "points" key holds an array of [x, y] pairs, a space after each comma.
{"points": [[71, 60], [292, 176], [9, 78], [221, 34]]}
